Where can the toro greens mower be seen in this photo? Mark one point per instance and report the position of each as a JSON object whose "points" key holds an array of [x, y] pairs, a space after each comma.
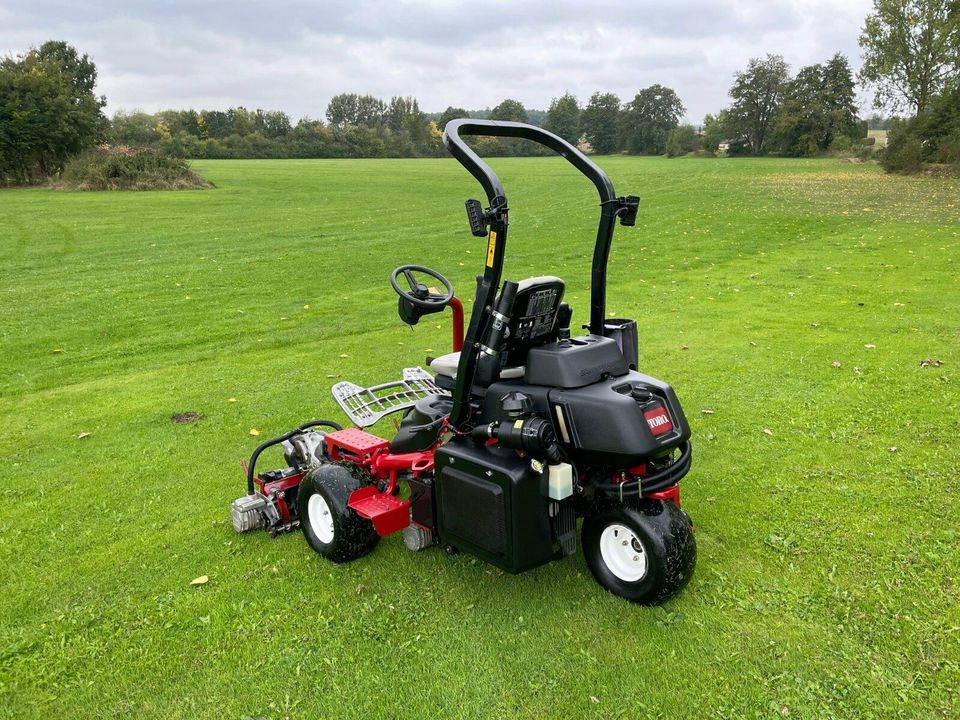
{"points": [[512, 437]]}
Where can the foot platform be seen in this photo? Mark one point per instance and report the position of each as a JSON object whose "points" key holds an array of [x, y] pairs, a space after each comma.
{"points": [[388, 513], [365, 406]]}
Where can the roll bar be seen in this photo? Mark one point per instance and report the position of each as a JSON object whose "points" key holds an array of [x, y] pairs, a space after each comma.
{"points": [[496, 217], [489, 180]]}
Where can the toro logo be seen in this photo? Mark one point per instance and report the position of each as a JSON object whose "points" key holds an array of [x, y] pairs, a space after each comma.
{"points": [[658, 420]]}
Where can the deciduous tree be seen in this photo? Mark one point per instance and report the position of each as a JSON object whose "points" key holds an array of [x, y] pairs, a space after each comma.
{"points": [[756, 93], [647, 120], [818, 107], [563, 118], [48, 111], [911, 48], [510, 110], [599, 122], [451, 113], [353, 109], [715, 130]]}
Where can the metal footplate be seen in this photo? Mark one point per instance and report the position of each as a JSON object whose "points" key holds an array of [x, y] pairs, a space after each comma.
{"points": [[364, 406]]}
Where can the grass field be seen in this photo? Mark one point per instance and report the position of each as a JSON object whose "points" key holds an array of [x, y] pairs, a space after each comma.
{"points": [[794, 299]]}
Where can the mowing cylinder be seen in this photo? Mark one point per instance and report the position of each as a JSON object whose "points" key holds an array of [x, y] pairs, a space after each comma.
{"points": [[271, 499]]}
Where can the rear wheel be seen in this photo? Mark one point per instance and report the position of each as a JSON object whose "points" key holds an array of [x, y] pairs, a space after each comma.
{"points": [[330, 527], [645, 554]]}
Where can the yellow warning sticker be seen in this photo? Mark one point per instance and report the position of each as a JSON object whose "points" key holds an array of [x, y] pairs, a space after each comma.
{"points": [[491, 248], [517, 424]]}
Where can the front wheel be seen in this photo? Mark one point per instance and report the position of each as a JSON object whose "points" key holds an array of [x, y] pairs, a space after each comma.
{"points": [[645, 554], [329, 525]]}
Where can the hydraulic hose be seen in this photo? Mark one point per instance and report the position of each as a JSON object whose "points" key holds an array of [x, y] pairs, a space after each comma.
{"points": [[492, 343], [277, 440], [653, 482]]}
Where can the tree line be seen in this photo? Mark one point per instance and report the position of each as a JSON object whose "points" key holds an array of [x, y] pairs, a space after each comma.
{"points": [[49, 110], [367, 126]]}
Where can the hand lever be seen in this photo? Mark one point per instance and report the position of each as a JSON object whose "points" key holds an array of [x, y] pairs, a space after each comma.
{"points": [[564, 314]]}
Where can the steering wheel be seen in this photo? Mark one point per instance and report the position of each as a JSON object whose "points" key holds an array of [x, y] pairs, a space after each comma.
{"points": [[420, 294]]}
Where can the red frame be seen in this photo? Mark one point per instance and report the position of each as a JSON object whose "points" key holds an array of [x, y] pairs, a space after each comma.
{"points": [[387, 512], [280, 487], [457, 325], [383, 508]]}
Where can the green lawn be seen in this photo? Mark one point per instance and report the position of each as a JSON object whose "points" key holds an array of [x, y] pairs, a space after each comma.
{"points": [[795, 299]]}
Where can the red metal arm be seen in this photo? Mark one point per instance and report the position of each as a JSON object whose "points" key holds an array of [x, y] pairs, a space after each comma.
{"points": [[457, 307]]}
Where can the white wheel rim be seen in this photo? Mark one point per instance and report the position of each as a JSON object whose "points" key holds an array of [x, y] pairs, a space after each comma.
{"points": [[321, 520], [623, 553]]}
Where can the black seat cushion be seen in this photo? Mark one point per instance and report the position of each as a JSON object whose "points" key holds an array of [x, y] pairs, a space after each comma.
{"points": [[421, 426]]}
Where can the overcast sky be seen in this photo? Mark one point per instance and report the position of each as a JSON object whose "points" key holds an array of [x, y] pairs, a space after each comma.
{"points": [[293, 55]]}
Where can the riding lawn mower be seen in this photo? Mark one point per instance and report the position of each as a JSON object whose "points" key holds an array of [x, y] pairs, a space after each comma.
{"points": [[510, 438]]}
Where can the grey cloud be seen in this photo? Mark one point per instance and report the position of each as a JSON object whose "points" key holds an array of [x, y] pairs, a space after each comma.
{"points": [[294, 55]]}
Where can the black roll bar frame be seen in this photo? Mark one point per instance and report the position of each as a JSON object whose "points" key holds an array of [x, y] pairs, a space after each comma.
{"points": [[611, 207]]}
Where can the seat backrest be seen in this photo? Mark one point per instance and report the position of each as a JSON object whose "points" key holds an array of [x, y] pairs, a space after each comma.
{"points": [[533, 321]]}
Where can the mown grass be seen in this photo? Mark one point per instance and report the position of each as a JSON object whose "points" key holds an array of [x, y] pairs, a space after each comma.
{"points": [[824, 497]]}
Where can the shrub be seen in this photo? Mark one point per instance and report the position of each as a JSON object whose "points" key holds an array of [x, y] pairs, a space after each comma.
{"points": [[123, 168], [841, 145], [683, 139], [931, 137], [904, 153]]}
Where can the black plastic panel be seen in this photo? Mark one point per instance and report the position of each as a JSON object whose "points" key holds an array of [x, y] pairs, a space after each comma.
{"points": [[606, 422], [489, 503], [420, 426], [575, 363]]}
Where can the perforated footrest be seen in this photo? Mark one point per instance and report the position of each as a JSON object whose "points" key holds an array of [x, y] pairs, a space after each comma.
{"points": [[388, 513], [365, 406], [354, 442]]}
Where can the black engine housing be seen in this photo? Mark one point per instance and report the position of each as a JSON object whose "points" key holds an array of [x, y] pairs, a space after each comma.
{"points": [[490, 500]]}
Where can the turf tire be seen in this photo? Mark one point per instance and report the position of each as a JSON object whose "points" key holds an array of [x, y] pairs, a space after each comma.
{"points": [[666, 535], [352, 536]]}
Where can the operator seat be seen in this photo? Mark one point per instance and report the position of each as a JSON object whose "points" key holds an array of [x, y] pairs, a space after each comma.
{"points": [[533, 322]]}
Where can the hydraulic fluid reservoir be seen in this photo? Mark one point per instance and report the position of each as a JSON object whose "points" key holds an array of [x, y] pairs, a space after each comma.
{"points": [[559, 481]]}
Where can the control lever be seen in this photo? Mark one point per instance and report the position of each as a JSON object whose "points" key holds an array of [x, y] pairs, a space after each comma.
{"points": [[564, 314]]}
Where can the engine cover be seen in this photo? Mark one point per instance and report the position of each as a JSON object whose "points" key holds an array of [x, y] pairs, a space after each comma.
{"points": [[618, 421], [621, 421]]}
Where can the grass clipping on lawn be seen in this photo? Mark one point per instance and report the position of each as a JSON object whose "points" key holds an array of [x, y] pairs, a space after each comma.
{"points": [[124, 168]]}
